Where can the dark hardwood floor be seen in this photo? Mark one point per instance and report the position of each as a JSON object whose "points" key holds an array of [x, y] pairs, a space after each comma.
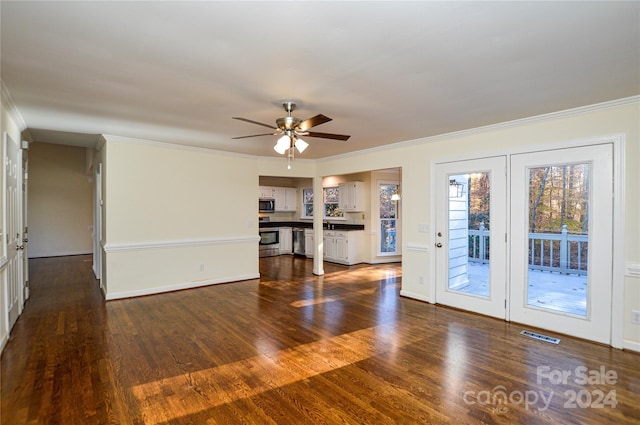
{"points": [[293, 348]]}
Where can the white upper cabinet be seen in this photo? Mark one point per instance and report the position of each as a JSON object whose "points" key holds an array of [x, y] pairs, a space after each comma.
{"points": [[285, 198], [351, 196], [266, 192]]}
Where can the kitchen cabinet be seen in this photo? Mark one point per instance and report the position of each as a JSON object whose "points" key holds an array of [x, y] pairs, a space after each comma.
{"points": [[344, 247], [285, 198], [309, 246], [266, 192], [351, 196], [286, 240]]}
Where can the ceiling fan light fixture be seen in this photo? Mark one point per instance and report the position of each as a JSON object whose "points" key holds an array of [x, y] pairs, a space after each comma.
{"points": [[301, 145], [282, 145]]}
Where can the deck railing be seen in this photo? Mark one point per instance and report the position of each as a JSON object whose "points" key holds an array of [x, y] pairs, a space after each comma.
{"points": [[558, 252]]}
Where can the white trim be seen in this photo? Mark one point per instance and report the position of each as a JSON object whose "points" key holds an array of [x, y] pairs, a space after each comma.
{"points": [[418, 247], [141, 246], [390, 259], [11, 108], [632, 269], [4, 341], [502, 125], [631, 345], [178, 287], [60, 254], [415, 296], [618, 250], [167, 145]]}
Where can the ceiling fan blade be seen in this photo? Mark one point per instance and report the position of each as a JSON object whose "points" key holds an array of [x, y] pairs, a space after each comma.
{"points": [[312, 122], [327, 136], [255, 135], [255, 122]]}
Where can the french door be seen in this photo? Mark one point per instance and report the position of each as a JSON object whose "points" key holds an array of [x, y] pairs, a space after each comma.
{"points": [[470, 235], [562, 240], [552, 269]]}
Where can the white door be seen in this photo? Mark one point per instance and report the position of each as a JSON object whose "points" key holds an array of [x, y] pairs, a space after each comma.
{"points": [[561, 249], [25, 221], [470, 241], [13, 224]]}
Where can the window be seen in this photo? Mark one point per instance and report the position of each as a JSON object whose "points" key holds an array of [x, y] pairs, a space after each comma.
{"points": [[331, 199], [331, 202], [307, 202], [388, 219]]}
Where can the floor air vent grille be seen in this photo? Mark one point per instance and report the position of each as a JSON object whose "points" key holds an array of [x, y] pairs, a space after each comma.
{"points": [[541, 337]]}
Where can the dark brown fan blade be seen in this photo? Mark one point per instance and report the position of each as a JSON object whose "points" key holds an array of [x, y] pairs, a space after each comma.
{"points": [[255, 122], [312, 122], [255, 135], [327, 136]]}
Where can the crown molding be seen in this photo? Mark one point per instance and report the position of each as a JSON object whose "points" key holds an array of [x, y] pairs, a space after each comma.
{"points": [[612, 104], [10, 105], [105, 138]]}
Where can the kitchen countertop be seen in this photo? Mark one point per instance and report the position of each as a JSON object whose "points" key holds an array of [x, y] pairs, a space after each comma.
{"points": [[309, 225]]}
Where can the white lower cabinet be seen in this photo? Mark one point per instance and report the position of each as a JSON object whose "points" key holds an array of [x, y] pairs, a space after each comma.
{"points": [[286, 240], [343, 247], [309, 245]]}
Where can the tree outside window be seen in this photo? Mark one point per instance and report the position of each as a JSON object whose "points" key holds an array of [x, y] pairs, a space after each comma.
{"points": [[307, 202], [388, 218], [331, 202]]}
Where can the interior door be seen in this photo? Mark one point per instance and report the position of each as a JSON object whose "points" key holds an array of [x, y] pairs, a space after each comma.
{"points": [[13, 224], [561, 230], [470, 236], [25, 222]]}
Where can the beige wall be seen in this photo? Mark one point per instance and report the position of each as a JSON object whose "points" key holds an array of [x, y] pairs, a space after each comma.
{"points": [[60, 204], [176, 217]]}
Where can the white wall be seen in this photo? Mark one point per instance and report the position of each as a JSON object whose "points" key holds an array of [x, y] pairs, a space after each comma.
{"points": [[60, 201]]}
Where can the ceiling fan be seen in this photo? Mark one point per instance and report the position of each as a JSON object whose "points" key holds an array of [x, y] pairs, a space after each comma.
{"points": [[291, 128]]}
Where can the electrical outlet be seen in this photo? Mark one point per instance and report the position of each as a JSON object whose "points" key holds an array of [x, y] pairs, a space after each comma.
{"points": [[420, 280], [635, 317], [201, 267]]}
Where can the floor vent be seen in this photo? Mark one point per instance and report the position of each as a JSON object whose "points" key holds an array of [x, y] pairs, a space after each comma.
{"points": [[541, 337]]}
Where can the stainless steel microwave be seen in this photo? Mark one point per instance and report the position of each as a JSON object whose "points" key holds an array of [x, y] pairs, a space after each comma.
{"points": [[266, 205]]}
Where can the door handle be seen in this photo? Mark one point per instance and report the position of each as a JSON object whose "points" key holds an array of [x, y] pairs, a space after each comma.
{"points": [[439, 245]]}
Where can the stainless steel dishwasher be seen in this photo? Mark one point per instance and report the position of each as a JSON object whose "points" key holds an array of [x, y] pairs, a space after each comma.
{"points": [[298, 241]]}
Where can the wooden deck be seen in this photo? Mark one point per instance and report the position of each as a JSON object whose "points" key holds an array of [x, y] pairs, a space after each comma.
{"points": [[291, 348]]}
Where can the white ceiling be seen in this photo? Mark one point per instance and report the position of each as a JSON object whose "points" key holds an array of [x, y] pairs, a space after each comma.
{"points": [[384, 71]]}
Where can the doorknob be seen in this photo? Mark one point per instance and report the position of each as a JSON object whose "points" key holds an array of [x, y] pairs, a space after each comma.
{"points": [[439, 245], [439, 234]]}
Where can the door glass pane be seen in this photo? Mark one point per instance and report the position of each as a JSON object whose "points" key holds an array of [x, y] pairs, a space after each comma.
{"points": [[558, 238], [388, 218], [469, 225]]}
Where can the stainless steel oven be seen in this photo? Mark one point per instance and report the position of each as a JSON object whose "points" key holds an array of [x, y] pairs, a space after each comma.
{"points": [[269, 242]]}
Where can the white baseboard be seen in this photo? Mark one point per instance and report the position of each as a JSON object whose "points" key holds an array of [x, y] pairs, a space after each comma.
{"points": [[177, 287], [631, 345], [415, 296], [3, 343], [59, 254]]}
